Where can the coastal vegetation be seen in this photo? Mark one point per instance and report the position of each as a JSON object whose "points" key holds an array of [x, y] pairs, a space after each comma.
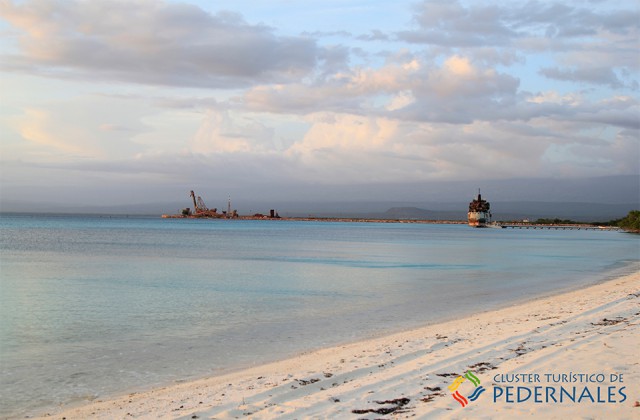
{"points": [[631, 222], [558, 221]]}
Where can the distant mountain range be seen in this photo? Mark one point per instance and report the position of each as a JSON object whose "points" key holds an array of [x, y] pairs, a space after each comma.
{"points": [[592, 199], [514, 210]]}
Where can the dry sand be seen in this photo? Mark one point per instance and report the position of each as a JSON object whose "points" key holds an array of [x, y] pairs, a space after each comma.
{"points": [[591, 331]]}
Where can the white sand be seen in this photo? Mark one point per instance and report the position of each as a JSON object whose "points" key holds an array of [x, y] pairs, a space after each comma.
{"points": [[590, 331]]}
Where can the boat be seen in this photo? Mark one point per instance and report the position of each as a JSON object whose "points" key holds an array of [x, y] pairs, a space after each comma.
{"points": [[479, 212]]}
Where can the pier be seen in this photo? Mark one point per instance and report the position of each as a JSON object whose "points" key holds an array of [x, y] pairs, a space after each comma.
{"points": [[556, 227]]}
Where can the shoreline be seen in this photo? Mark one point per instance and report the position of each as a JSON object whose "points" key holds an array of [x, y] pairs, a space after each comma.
{"points": [[593, 330]]}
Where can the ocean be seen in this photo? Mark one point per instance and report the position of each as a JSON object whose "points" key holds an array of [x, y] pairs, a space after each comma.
{"points": [[94, 306]]}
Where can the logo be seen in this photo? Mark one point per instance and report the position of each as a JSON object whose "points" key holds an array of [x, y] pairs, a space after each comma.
{"points": [[477, 390]]}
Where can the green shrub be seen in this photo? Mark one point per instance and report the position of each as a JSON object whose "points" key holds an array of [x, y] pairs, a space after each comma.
{"points": [[631, 222]]}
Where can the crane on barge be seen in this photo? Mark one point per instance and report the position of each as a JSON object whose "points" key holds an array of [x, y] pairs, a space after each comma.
{"points": [[200, 209]]}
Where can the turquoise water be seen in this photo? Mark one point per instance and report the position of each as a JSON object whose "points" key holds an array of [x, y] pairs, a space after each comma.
{"points": [[92, 306]]}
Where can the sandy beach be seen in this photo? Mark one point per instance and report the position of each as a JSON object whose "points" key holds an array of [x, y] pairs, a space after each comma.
{"points": [[572, 355]]}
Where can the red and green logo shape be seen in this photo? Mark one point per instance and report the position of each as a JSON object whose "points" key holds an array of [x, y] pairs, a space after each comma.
{"points": [[477, 390]]}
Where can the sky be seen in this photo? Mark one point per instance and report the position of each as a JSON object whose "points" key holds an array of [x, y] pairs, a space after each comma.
{"points": [[112, 102]]}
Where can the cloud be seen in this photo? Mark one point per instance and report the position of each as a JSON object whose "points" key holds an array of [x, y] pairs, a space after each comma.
{"points": [[455, 89], [620, 112], [220, 133], [401, 100], [152, 42], [346, 132], [404, 88], [599, 75], [450, 24], [374, 35], [39, 126], [93, 126], [112, 127], [582, 38], [472, 89]]}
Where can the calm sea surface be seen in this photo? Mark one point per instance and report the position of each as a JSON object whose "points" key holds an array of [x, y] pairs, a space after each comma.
{"points": [[91, 306]]}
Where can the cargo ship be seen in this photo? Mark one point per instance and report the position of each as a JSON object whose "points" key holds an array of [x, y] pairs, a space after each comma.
{"points": [[479, 212]]}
